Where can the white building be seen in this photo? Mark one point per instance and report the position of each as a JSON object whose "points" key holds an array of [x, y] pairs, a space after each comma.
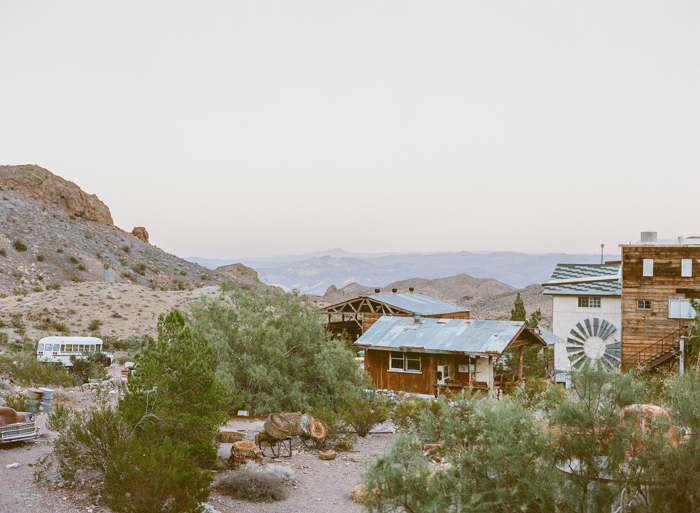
{"points": [[587, 315]]}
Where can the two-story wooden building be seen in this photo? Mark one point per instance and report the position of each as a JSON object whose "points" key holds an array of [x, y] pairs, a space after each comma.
{"points": [[659, 278]]}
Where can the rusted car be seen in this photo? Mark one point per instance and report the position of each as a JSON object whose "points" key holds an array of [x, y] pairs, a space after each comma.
{"points": [[17, 426]]}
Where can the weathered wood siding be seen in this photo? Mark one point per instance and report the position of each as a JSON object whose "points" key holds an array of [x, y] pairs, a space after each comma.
{"points": [[377, 366], [368, 318], [640, 328]]}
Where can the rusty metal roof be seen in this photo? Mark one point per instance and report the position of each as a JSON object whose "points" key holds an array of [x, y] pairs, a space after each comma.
{"points": [[469, 336]]}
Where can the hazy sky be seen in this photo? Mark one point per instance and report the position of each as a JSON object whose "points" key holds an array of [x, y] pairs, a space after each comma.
{"points": [[258, 128]]}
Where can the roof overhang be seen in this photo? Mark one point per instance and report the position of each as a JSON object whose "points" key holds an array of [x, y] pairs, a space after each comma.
{"points": [[689, 292]]}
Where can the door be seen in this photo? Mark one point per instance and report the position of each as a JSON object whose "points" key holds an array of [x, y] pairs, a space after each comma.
{"points": [[443, 374]]}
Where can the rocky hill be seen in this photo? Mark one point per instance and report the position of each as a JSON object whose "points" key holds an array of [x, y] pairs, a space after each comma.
{"points": [[486, 298], [54, 234]]}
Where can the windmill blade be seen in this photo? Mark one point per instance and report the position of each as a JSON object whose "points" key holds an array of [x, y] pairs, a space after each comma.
{"points": [[577, 336], [587, 322], [613, 355], [596, 324], [603, 326], [574, 342], [574, 350], [576, 364], [611, 329]]}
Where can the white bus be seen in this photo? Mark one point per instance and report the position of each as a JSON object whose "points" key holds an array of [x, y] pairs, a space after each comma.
{"points": [[60, 349]]}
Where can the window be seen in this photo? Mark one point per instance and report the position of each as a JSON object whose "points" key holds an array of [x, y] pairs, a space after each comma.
{"points": [[680, 309], [63, 348], [589, 302], [404, 362], [643, 304], [648, 267], [686, 267], [55, 347], [40, 348], [396, 361]]}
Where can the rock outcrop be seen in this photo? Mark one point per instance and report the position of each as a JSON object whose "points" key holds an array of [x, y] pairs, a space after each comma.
{"points": [[141, 233], [43, 185]]}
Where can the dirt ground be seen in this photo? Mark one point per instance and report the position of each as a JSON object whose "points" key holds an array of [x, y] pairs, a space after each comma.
{"points": [[320, 486]]}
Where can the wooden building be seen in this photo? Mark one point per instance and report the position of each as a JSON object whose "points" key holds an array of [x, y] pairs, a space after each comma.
{"points": [[659, 278], [427, 355], [355, 316]]}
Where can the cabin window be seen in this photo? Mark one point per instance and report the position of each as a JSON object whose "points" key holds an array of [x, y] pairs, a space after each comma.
{"points": [[648, 267], [643, 304], [396, 361], [589, 302], [686, 267], [40, 348], [404, 362], [680, 309]]}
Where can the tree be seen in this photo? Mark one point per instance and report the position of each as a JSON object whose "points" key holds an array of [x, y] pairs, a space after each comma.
{"points": [[273, 352], [518, 313]]}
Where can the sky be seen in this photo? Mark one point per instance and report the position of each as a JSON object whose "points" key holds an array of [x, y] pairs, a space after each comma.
{"points": [[264, 128]]}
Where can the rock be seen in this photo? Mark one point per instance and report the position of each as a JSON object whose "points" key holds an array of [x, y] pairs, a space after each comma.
{"points": [[328, 455], [358, 493], [129, 365], [141, 233], [43, 185], [12, 465]]}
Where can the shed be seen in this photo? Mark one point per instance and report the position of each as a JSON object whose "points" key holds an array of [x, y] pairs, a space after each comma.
{"points": [[355, 316], [425, 355]]}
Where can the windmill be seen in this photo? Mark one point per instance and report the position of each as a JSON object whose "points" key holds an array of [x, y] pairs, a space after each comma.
{"points": [[592, 342]]}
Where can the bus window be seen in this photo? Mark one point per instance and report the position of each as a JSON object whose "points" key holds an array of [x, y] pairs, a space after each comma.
{"points": [[81, 348], [40, 348], [99, 347], [90, 348], [55, 347], [69, 347], [63, 347]]}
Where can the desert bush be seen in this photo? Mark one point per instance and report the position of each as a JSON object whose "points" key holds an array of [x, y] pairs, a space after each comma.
{"points": [[341, 436], [59, 250], [275, 349], [19, 245], [76, 279], [40, 258], [124, 262], [25, 370], [81, 267], [366, 409], [16, 322], [89, 366], [53, 286], [130, 276], [3, 338], [183, 272], [140, 269], [61, 327], [126, 249], [116, 315], [407, 413], [37, 288], [73, 260], [16, 401], [19, 292], [143, 477], [2, 323], [3, 252], [94, 325], [253, 484]]}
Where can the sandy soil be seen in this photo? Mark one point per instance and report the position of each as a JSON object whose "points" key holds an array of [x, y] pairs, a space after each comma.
{"points": [[320, 486]]}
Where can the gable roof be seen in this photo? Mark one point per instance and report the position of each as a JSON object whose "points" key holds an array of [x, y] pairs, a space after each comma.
{"points": [[408, 303], [466, 336], [585, 280]]}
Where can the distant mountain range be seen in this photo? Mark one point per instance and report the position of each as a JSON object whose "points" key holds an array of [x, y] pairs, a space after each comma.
{"points": [[313, 273]]}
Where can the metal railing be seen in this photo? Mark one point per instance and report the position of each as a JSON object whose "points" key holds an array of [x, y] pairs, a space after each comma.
{"points": [[648, 353]]}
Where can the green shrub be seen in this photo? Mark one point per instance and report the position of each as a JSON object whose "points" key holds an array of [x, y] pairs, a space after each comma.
{"points": [[40, 258], [3, 338], [19, 245], [275, 349], [16, 401], [252, 484], [143, 477], [81, 267], [76, 279], [94, 325], [61, 327], [126, 249], [37, 288], [124, 262], [140, 269], [89, 235], [25, 370], [53, 286], [116, 315], [2, 323], [19, 292], [71, 217], [366, 409], [73, 260], [408, 412], [183, 272], [130, 276], [59, 250], [3, 252], [340, 435], [89, 366]]}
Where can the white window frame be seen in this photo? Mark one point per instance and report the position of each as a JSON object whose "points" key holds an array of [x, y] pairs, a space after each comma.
{"points": [[585, 301], [679, 308], [687, 267], [643, 302], [648, 267], [393, 355]]}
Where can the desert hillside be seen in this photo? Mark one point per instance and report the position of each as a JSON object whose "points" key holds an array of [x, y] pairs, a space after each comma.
{"points": [[54, 234], [486, 298]]}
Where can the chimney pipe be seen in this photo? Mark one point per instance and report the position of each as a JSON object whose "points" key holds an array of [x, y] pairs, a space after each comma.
{"points": [[416, 318], [681, 240]]}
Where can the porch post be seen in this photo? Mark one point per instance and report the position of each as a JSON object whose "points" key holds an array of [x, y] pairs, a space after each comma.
{"points": [[491, 377], [520, 367]]}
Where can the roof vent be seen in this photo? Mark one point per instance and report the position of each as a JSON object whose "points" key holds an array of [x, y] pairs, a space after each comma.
{"points": [[394, 290], [416, 318], [411, 289], [681, 240], [377, 291], [648, 237]]}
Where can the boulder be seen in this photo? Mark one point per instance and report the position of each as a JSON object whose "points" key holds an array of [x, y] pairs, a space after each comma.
{"points": [[141, 233], [328, 455]]}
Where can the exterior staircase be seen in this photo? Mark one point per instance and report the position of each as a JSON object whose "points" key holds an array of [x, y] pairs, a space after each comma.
{"points": [[656, 353]]}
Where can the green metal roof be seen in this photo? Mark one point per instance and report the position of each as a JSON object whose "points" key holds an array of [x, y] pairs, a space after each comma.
{"points": [[565, 277]]}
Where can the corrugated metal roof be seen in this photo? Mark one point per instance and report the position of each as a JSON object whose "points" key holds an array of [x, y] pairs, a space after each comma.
{"points": [[470, 336], [414, 302], [565, 277], [549, 337]]}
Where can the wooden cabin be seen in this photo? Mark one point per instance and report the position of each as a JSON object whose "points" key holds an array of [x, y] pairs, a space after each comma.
{"points": [[659, 278], [435, 355], [355, 316]]}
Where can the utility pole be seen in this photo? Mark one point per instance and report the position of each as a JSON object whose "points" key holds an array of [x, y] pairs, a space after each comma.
{"points": [[681, 363]]}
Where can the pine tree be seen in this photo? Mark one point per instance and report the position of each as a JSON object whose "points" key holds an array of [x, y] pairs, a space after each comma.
{"points": [[518, 311]]}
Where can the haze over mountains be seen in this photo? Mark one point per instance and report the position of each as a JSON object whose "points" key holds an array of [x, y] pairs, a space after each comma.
{"points": [[314, 273]]}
